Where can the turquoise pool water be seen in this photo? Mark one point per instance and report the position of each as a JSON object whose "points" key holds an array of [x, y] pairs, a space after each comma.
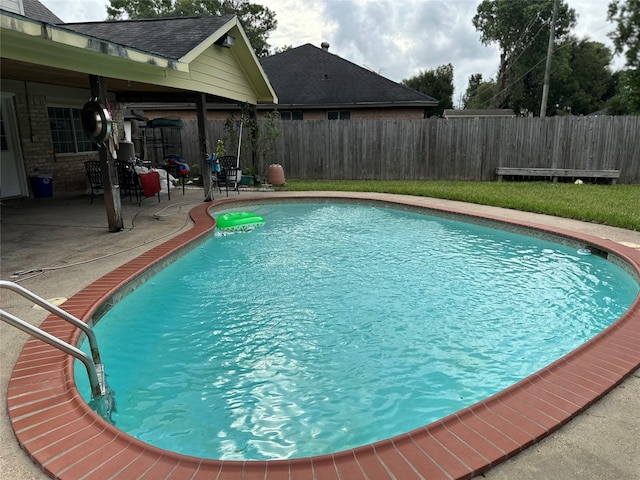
{"points": [[335, 326]]}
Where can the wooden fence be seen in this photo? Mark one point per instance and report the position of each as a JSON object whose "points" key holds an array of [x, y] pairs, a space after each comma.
{"points": [[440, 149]]}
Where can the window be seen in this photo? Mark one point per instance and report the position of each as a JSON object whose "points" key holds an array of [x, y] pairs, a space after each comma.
{"points": [[339, 115], [291, 115], [67, 133]]}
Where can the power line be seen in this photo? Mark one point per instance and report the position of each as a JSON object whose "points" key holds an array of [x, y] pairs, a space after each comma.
{"points": [[508, 86], [524, 49]]}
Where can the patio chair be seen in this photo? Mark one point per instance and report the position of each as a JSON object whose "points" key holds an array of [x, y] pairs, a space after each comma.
{"points": [[150, 185], [94, 176], [228, 174], [141, 185], [129, 181]]}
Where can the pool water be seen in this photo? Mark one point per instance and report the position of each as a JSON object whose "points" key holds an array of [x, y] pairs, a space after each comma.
{"points": [[335, 326]]}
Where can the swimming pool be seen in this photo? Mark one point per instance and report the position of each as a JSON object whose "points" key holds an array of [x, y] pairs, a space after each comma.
{"points": [[69, 441], [336, 326]]}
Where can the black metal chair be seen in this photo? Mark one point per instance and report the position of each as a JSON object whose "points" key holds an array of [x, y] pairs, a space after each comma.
{"points": [[228, 174], [94, 175], [129, 181]]}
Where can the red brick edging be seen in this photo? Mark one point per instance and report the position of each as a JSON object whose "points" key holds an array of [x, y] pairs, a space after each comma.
{"points": [[58, 430]]}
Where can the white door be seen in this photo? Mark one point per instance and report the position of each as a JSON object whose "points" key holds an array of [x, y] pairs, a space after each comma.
{"points": [[12, 176]]}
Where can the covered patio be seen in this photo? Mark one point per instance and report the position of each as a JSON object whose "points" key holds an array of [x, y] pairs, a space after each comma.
{"points": [[58, 68]]}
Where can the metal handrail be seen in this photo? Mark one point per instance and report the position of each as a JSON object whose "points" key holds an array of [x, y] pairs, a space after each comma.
{"points": [[97, 388], [95, 370], [91, 337]]}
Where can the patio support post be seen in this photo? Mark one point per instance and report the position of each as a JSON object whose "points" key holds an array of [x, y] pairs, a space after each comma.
{"points": [[205, 169], [108, 165], [255, 141]]}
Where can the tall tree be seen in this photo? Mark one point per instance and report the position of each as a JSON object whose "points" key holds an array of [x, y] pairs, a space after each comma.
{"points": [[626, 100], [626, 38], [626, 14], [521, 31], [436, 83], [257, 21], [479, 94], [582, 81]]}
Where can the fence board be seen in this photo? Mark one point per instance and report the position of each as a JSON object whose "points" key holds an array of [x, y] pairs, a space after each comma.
{"points": [[439, 149]]}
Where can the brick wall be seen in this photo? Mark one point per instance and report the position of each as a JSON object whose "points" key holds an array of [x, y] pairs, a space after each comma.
{"points": [[35, 135], [37, 148], [69, 174]]}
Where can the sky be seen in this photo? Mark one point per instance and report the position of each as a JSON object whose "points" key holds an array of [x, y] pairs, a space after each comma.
{"points": [[397, 39]]}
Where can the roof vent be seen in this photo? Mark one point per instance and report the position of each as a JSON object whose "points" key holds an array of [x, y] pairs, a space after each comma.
{"points": [[325, 46]]}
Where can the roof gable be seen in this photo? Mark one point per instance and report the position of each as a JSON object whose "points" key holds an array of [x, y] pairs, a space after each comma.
{"points": [[308, 75], [160, 36], [36, 10]]}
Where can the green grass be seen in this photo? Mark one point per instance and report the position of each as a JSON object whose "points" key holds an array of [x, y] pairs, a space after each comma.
{"points": [[615, 205]]}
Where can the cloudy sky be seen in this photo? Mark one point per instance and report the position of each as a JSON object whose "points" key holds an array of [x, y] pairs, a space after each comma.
{"points": [[395, 38]]}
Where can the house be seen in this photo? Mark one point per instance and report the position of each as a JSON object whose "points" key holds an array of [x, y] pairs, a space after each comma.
{"points": [[314, 84], [50, 69], [479, 113]]}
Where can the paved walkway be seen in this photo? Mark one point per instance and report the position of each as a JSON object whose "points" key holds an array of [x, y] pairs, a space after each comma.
{"points": [[61, 244]]}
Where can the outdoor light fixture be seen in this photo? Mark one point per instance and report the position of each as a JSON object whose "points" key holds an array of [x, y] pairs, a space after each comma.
{"points": [[226, 41]]}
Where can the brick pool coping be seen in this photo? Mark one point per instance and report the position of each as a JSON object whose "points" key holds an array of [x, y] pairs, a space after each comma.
{"points": [[68, 440]]}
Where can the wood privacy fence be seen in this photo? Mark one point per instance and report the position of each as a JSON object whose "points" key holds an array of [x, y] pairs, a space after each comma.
{"points": [[440, 149]]}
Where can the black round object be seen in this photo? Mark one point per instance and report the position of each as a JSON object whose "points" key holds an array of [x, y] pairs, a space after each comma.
{"points": [[96, 121]]}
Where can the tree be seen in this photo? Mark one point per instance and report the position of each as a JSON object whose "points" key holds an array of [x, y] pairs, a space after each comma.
{"points": [[284, 48], [626, 100], [627, 34], [626, 37], [521, 31], [475, 80], [479, 94], [582, 81], [120, 9], [256, 20], [436, 83]]}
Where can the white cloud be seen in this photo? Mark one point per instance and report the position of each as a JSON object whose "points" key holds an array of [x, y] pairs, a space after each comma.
{"points": [[396, 38], [70, 11]]}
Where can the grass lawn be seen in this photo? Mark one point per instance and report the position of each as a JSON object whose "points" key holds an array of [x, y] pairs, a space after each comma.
{"points": [[615, 205]]}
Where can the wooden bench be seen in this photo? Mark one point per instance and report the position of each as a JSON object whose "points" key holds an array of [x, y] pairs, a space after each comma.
{"points": [[555, 173]]}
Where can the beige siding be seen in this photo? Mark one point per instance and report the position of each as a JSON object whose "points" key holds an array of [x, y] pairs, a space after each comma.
{"points": [[216, 71]]}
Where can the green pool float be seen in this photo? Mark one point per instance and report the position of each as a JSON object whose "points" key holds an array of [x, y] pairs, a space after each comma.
{"points": [[239, 221]]}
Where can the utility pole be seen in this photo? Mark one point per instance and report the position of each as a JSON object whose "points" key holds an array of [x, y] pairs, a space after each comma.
{"points": [[547, 68]]}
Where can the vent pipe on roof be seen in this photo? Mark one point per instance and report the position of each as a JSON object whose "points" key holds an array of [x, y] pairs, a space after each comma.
{"points": [[325, 46]]}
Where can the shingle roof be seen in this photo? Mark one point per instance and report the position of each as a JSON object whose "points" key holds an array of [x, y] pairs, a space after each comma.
{"points": [[168, 37], [489, 112], [308, 75], [37, 11]]}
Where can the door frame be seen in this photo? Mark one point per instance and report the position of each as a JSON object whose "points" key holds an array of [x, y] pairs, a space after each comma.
{"points": [[10, 123]]}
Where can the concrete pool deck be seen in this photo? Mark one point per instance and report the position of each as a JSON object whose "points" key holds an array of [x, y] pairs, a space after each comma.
{"points": [[53, 236]]}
